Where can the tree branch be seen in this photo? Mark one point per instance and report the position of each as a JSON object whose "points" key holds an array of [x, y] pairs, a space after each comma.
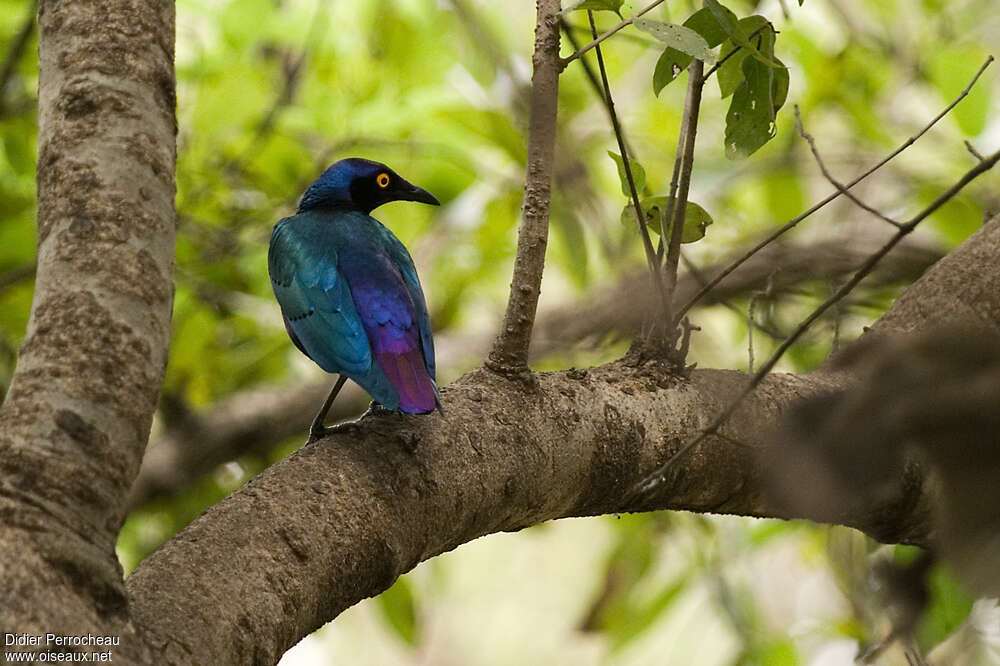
{"points": [[252, 422], [678, 198], [510, 352], [74, 425], [833, 181], [341, 519]]}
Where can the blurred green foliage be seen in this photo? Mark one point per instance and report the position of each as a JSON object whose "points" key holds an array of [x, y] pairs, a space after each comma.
{"points": [[271, 91]]}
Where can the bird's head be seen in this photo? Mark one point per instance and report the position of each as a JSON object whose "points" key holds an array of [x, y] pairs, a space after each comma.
{"points": [[361, 184]]}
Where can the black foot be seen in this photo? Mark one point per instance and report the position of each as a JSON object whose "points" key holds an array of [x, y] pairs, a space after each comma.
{"points": [[376, 408], [316, 434]]}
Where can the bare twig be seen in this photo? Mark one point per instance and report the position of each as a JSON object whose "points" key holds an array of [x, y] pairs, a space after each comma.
{"points": [[647, 244], [597, 40], [510, 351], [699, 276], [16, 50], [985, 165], [751, 323], [972, 149], [17, 275], [833, 181], [729, 55], [793, 222], [689, 130], [592, 78]]}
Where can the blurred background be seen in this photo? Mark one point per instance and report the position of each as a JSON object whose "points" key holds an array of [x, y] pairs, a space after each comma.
{"points": [[272, 91]]}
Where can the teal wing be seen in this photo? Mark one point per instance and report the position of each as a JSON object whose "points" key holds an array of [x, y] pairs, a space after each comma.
{"points": [[316, 303]]}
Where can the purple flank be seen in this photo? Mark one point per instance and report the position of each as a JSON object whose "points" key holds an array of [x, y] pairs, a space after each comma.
{"points": [[291, 334], [387, 315], [402, 361]]}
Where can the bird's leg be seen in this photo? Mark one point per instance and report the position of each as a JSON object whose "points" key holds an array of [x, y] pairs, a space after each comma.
{"points": [[317, 430]]}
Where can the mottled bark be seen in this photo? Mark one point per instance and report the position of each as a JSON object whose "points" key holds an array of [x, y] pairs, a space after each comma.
{"points": [[75, 422]]}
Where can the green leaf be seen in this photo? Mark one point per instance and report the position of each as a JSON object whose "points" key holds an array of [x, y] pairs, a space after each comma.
{"points": [[739, 31], [696, 218], [673, 61], [779, 87], [595, 5], [730, 73], [638, 174], [679, 37], [668, 67], [624, 627], [400, 609], [707, 25], [948, 608], [750, 120]]}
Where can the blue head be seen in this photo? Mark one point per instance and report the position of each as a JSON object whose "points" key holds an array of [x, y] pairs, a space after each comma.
{"points": [[361, 185]]}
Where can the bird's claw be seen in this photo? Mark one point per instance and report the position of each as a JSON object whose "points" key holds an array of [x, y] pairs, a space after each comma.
{"points": [[316, 434]]}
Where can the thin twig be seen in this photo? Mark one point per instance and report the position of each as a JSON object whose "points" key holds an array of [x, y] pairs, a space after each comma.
{"points": [[647, 244], [595, 82], [729, 55], [16, 50], [700, 278], [689, 130], [751, 307], [793, 222], [17, 275], [597, 40], [657, 476], [972, 149], [833, 181], [510, 351]]}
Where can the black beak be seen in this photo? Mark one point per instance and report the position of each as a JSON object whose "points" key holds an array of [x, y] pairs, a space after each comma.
{"points": [[409, 192]]}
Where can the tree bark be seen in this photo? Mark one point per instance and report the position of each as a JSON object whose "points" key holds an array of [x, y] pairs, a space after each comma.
{"points": [[75, 422], [510, 352]]}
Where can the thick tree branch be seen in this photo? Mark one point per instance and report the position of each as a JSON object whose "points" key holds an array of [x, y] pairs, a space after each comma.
{"points": [[342, 518], [75, 422], [510, 352], [252, 422]]}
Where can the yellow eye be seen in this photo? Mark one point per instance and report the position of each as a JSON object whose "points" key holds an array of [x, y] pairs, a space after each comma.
{"points": [[383, 180]]}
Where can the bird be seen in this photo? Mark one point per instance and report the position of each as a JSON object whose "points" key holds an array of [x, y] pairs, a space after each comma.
{"points": [[349, 293]]}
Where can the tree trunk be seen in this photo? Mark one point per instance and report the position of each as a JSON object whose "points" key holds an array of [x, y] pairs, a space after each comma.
{"points": [[74, 425]]}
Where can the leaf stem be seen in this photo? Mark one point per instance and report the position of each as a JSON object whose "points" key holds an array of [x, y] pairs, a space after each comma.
{"points": [[576, 55], [654, 264]]}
